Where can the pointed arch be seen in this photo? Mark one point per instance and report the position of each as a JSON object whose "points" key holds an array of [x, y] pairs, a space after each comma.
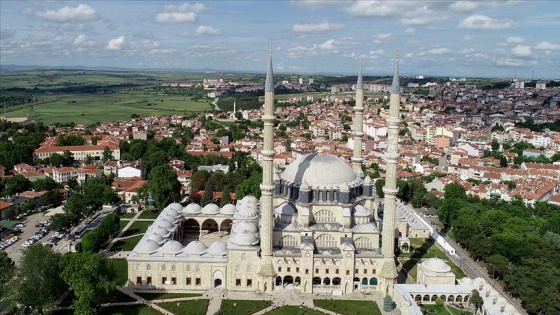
{"points": [[324, 216], [325, 241], [363, 242]]}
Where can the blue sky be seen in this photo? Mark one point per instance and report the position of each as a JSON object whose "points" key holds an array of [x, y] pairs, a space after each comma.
{"points": [[454, 38]]}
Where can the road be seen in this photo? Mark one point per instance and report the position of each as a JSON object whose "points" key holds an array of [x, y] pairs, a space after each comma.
{"points": [[16, 250]]}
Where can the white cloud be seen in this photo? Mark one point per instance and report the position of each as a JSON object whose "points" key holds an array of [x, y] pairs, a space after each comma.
{"points": [[464, 6], [207, 30], [468, 38], [381, 37], [422, 16], [409, 31], [327, 45], [547, 46], [375, 8], [317, 27], [409, 55], [115, 43], [80, 39], [315, 4], [486, 23], [176, 14], [439, 51], [509, 62], [515, 40], [521, 51], [82, 12]]}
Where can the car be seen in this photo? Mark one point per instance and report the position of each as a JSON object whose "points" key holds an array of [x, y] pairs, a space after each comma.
{"points": [[59, 234], [19, 225], [44, 222]]}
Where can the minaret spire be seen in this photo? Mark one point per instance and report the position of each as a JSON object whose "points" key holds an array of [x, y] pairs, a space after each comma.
{"points": [[266, 270], [388, 269], [358, 125]]}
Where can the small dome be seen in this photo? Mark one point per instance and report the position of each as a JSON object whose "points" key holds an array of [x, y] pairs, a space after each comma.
{"points": [[157, 238], [192, 208], [195, 248], [240, 227], [166, 224], [217, 248], [146, 247], [161, 230], [171, 247], [228, 209], [250, 200], [467, 281], [285, 209], [246, 210], [175, 206], [173, 213], [211, 209], [436, 265], [360, 211], [245, 239]]}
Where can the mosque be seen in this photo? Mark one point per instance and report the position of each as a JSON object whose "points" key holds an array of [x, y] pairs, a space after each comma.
{"points": [[315, 229]]}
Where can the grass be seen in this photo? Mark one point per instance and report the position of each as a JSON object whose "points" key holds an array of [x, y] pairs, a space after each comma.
{"points": [[118, 296], [137, 227], [149, 214], [121, 270], [126, 244], [349, 307], [440, 310], [233, 307], [129, 310], [162, 296], [126, 215], [294, 310], [192, 307]]}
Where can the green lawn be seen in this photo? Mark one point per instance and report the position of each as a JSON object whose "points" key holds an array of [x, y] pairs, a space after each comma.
{"points": [[234, 307], [349, 307], [162, 296], [149, 214], [126, 244], [441, 310], [122, 224], [294, 310], [426, 248], [121, 270], [126, 215], [193, 307], [129, 310], [137, 227]]}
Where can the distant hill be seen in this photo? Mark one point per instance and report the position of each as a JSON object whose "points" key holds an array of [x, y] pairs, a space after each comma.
{"points": [[14, 68]]}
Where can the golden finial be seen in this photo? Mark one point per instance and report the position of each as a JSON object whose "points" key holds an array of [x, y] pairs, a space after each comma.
{"points": [[397, 54], [319, 150]]}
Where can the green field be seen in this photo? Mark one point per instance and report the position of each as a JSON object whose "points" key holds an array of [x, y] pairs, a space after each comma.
{"points": [[191, 307], [163, 296], [92, 108], [233, 307], [137, 227], [126, 244], [294, 310], [121, 271], [349, 307]]}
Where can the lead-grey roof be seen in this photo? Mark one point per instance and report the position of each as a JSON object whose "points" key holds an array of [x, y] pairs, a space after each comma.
{"points": [[396, 88], [269, 84]]}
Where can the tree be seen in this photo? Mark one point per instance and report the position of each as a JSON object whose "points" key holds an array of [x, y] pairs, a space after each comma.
{"points": [[110, 224], [37, 281], [60, 222], [164, 185], [198, 180], [56, 159], [387, 303], [67, 158], [46, 183], [90, 277], [6, 271], [208, 194], [17, 184], [503, 162], [92, 241], [107, 154], [476, 300], [454, 191], [495, 145], [439, 301], [379, 188]]}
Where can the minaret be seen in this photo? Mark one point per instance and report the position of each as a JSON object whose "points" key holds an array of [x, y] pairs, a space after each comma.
{"points": [[358, 126], [388, 269], [266, 270]]}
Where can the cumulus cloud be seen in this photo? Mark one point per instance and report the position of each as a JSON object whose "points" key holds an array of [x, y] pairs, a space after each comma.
{"points": [[468, 38], [317, 27], [439, 51], [327, 45], [422, 16], [521, 51], [207, 30], [375, 8], [80, 39], [82, 12], [547, 46], [515, 40], [115, 43], [409, 31], [381, 37], [464, 6], [315, 4], [485, 23], [177, 14], [509, 62]]}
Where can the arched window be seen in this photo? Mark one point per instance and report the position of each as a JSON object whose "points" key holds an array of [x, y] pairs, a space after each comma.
{"points": [[243, 257], [249, 269], [172, 267], [324, 216], [162, 267], [288, 241], [325, 241], [148, 267], [197, 267], [363, 242], [188, 267], [237, 268]]}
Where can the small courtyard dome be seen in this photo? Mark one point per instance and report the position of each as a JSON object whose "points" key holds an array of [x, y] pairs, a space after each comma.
{"points": [[245, 239], [228, 209], [157, 238], [246, 211], [436, 265], [195, 248], [146, 247], [171, 247], [192, 208], [211, 209], [240, 227], [217, 248], [167, 224], [175, 206], [161, 230], [250, 200]]}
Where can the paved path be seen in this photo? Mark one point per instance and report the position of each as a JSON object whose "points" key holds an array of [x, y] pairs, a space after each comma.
{"points": [[116, 238]]}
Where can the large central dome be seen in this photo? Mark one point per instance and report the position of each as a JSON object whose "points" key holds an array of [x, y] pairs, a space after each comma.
{"points": [[320, 170]]}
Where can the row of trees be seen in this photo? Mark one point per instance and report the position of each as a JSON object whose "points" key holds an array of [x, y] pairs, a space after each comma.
{"points": [[109, 226], [520, 244], [412, 191], [18, 142], [43, 276]]}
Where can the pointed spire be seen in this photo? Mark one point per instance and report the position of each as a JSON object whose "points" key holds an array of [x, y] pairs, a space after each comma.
{"points": [[396, 87], [269, 83], [360, 84]]}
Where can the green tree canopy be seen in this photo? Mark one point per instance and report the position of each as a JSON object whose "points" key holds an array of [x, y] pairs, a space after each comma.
{"points": [[164, 185]]}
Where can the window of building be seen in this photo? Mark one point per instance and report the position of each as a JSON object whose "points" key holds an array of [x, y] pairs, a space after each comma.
{"points": [[347, 272], [173, 280], [316, 270], [365, 271], [149, 280], [327, 271], [249, 282], [288, 269], [138, 280], [306, 271], [197, 267], [162, 267], [337, 271], [189, 281], [373, 271], [279, 269], [172, 267], [163, 279], [188, 267], [297, 269], [148, 267], [198, 282], [357, 271], [237, 282], [249, 269]]}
